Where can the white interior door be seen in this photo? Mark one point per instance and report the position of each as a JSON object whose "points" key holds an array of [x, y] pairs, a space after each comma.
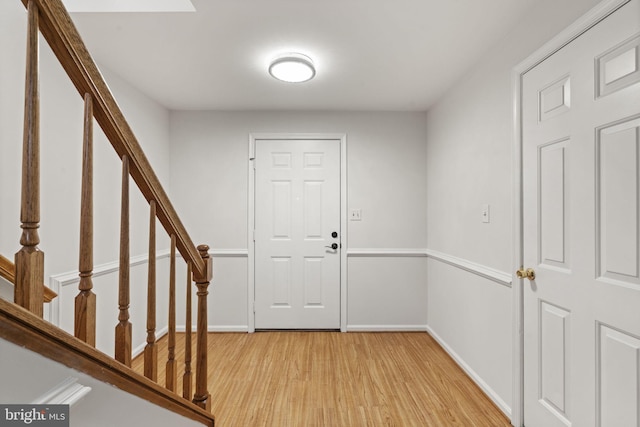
{"points": [[297, 221], [581, 166]]}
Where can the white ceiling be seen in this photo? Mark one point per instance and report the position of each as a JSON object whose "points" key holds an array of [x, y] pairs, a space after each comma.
{"points": [[392, 55]]}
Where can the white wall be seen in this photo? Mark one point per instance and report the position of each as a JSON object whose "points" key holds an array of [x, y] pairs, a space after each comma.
{"points": [[386, 176], [469, 163], [61, 150]]}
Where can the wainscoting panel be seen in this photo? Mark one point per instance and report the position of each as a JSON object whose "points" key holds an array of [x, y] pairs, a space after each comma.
{"points": [[469, 313], [386, 290], [105, 286], [227, 297]]}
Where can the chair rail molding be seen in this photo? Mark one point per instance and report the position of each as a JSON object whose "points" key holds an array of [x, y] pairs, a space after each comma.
{"points": [[492, 274], [58, 281], [386, 252], [497, 276]]}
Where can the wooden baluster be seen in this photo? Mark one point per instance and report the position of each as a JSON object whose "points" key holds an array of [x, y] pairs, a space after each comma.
{"points": [[202, 397], [171, 380], [123, 328], [186, 378], [29, 260], [85, 303], [151, 350]]}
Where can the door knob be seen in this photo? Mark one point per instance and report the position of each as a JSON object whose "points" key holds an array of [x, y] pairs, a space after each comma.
{"points": [[528, 274], [333, 246]]}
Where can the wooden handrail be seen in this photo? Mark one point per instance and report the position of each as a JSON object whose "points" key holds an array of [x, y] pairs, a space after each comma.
{"points": [[8, 273], [7, 270], [59, 31], [23, 328]]}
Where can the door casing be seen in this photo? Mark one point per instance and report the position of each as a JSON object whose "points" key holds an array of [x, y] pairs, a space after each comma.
{"points": [[255, 138], [591, 18]]}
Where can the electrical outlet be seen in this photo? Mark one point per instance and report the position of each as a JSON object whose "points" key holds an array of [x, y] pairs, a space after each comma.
{"points": [[355, 215]]}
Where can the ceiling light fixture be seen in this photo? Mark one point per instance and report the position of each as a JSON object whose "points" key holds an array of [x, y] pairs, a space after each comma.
{"points": [[292, 68]]}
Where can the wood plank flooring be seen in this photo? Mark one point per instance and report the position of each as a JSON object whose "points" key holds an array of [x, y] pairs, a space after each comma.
{"points": [[296, 379]]}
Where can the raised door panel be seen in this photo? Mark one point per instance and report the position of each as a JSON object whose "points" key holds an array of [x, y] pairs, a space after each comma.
{"points": [[553, 363], [553, 204], [281, 207], [618, 215], [280, 283], [618, 375], [619, 67], [313, 212]]}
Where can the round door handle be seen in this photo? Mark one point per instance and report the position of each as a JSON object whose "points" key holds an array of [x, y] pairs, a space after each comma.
{"points": [[333, 246], [529, 273]]}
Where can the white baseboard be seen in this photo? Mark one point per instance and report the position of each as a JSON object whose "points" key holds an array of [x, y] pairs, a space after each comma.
{"points": [[217, 328], [160, 333], [506, 409], [228, 328], [386, 328], [386, 252]]}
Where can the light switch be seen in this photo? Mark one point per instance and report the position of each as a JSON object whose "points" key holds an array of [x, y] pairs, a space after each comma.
{"points": [[485, 213], [355, 215]]}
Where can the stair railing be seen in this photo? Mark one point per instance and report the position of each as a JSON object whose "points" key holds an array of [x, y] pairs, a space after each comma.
{"points": [[8, 273], [50, 18]]}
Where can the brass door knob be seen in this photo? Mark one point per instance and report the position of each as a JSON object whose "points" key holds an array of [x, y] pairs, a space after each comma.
{"points": [[528, 274]]}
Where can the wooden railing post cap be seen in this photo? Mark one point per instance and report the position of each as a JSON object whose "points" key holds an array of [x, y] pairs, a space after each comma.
{"points": [[208, 261], [204, 251]]}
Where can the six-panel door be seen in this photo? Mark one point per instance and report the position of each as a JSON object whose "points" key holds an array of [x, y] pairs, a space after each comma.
{"points": [[297, 215], [581, 169]]}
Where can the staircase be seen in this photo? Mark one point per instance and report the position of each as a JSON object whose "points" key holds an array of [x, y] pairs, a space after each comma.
{"points": [[21, 322]]}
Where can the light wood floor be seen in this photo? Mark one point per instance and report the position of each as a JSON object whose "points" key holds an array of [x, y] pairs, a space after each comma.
{"points": [[303, 379]]}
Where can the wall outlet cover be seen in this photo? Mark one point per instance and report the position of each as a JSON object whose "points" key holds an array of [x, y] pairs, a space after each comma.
{"points": [[485, 213], [355, 215]]}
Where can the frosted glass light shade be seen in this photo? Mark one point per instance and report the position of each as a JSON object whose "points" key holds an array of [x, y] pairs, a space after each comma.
{"points": [[292, 68]]}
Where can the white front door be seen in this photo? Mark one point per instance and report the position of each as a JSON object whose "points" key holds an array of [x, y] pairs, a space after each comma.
{"points": [[581, 220], [297, 234]]}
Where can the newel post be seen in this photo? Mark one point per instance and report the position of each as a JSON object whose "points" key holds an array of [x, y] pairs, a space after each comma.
{"points": [[29, 260], [202, 397]]}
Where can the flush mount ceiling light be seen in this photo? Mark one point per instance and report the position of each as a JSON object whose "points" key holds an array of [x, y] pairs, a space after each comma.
{"points": [[292, 68]]}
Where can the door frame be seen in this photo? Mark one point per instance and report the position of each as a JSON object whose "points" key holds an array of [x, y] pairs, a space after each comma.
{"points": [[253, 139], [580, 26]]}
